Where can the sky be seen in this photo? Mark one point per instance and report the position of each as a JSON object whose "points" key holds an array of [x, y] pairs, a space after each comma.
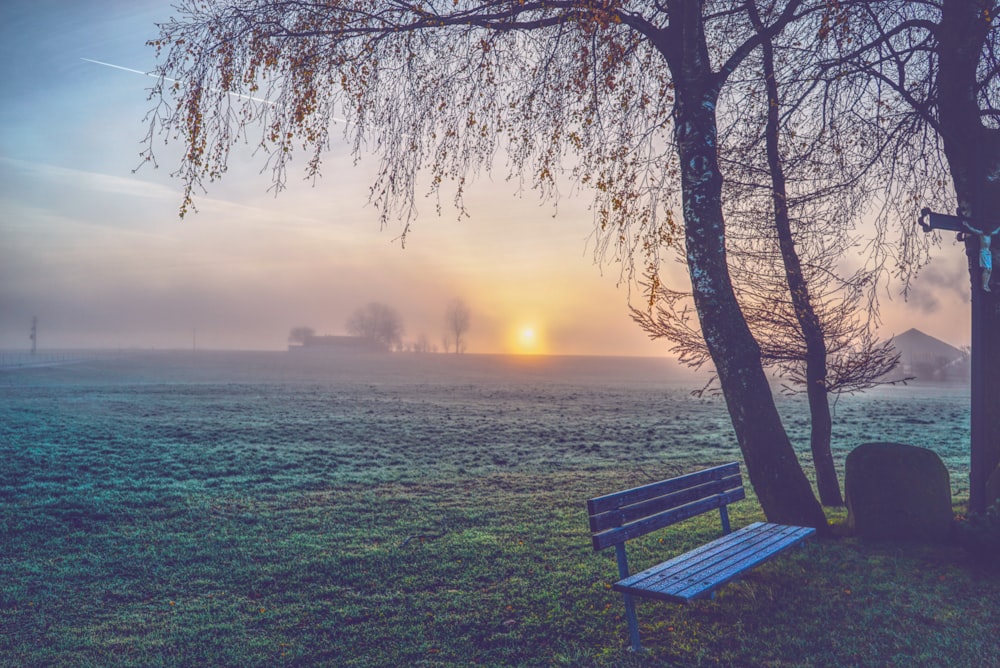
{"points": [[98, 253]]}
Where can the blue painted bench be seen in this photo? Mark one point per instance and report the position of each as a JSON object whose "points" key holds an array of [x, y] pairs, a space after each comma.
{"points": [[621, 516]]}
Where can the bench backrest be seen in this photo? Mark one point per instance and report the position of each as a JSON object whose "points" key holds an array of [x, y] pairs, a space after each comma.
{"points": [[616, 518]]}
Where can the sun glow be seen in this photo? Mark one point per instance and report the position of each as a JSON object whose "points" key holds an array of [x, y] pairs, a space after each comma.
{"points": [[526, 339]]}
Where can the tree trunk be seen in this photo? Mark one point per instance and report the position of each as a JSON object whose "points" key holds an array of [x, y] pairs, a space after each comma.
{"points": [[821, 429], [809, 323], [973, 153], [782, 488]]}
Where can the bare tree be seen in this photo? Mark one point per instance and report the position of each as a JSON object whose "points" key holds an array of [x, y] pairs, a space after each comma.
{"points": [[377, 323], [301, 334], [422, 344], [793, 185], [457, 320], [931, 74]]}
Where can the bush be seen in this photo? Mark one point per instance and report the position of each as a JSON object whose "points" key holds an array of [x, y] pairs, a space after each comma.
{"points": [[979, 533]]}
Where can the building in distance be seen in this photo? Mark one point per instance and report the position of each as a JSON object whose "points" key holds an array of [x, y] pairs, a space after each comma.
{"points": [[924, 357], [350, 345]]}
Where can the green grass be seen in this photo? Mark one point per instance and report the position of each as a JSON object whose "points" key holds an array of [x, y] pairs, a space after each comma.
{"points": [[491, 569]]}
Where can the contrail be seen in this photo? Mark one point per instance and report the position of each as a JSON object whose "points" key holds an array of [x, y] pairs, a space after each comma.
{"points": [[156, 76], [119, 67]]}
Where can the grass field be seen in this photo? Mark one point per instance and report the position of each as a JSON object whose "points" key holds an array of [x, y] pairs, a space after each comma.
{"points": [[486, 570], [212, 513]]}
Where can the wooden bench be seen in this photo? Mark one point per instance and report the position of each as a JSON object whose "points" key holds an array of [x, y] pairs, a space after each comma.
{"points": [[622, 516]]}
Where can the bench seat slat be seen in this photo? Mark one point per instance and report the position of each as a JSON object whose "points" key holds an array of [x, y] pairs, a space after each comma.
{"points": [[713, 567], [751, 539], [697, 573], [708, 553], [700, 584]]}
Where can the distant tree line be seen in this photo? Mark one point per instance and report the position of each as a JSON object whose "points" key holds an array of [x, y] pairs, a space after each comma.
{"points": [[381, 324]]}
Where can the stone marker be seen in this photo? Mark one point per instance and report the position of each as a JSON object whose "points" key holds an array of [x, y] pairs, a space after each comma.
{"points": [[897, 492]]}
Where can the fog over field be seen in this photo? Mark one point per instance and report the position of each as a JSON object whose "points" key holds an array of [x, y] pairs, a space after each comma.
{"points": [[181, 422]]}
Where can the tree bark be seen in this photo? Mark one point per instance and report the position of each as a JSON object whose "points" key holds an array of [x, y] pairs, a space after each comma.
{"points": [[973, 154], [782, 488]]}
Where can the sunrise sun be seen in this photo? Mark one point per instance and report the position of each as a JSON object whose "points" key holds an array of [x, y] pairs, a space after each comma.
{"points": [[526, 340]]}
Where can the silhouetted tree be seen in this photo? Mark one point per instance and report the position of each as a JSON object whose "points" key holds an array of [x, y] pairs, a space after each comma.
{"points": [[790, 177], [301, 334], [422, 344], [930, 72], [457, 320], [379, 323]]}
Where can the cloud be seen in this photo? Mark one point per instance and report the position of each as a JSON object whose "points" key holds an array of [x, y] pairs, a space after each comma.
{"points": [[54, 180], [941, 283]]}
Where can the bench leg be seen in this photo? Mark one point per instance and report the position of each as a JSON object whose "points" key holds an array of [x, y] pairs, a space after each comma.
{"points": [[633, 623]]}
